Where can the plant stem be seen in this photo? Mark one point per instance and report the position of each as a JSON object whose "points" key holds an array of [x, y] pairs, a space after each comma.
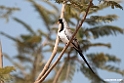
{"points": [[46, 67], [1, 59]]}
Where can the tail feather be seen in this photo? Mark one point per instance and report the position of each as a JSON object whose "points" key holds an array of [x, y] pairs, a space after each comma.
{"points": [[77, 48], [86, 61]]}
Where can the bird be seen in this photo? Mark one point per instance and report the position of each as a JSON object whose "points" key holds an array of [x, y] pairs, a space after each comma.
{"points": [[65, 35]]}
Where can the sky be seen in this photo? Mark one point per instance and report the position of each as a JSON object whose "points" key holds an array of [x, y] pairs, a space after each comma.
{"points": [[28, 15]]}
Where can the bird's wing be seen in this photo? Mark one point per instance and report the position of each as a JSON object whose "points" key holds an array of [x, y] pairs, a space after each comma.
{"points": [[69, 34]]}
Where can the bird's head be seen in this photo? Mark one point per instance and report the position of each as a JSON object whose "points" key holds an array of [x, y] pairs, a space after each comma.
{"points": [[60, 21], [63, 23]]}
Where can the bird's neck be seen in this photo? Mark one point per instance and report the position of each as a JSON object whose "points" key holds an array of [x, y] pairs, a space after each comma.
{"points": [[62, 27]]}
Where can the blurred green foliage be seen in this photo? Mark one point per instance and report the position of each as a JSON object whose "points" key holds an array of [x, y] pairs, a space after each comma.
{"points": [[30, 58]]}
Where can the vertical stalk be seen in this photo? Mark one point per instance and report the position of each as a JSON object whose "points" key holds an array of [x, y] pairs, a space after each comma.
{"points": [[1, 59], [47, 66]]}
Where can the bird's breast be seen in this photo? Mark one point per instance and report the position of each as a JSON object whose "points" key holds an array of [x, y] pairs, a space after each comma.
{"points": [[63, 37]]}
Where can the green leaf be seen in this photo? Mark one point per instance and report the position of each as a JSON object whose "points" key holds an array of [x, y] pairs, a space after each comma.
{"points": [[113, 58], [101, 7], [86, 46], [25, 25], [7, 69], [71, 13], [60, 1], [34, 39], [68, 71], [113, 4], [112, 69], [80, 35], [23, 58], [102, 59], [92, 77], [98, 57], [95, 20], [105, 30], [42, 33], [25, 37], [5, 12], [45, 14], [17, 65], [94, 6], [52, 5], [5, 73], [8, 36]]}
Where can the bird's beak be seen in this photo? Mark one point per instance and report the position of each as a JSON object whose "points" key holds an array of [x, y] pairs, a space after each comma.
{"points": [[57, 22]]}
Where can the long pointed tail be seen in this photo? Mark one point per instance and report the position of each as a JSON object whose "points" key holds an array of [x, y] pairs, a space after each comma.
{"points": [[85, 61], [77, 48]]}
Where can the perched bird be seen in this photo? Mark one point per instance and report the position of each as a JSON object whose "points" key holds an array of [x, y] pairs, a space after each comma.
{"points": [[65, 35]]}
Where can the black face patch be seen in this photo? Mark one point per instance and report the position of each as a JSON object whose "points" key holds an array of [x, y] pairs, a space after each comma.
{"points": [[62, 25], [60, 21]]}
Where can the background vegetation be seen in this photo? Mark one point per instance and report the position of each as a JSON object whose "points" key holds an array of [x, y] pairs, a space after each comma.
{"points": [[33, 46]]}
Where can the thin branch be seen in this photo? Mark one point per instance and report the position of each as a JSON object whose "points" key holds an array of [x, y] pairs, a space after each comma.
{"points": [[35, 62], [59, 73], [1, 59], [53, 53], [64, 49], [62, 67], [1, 56]]}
